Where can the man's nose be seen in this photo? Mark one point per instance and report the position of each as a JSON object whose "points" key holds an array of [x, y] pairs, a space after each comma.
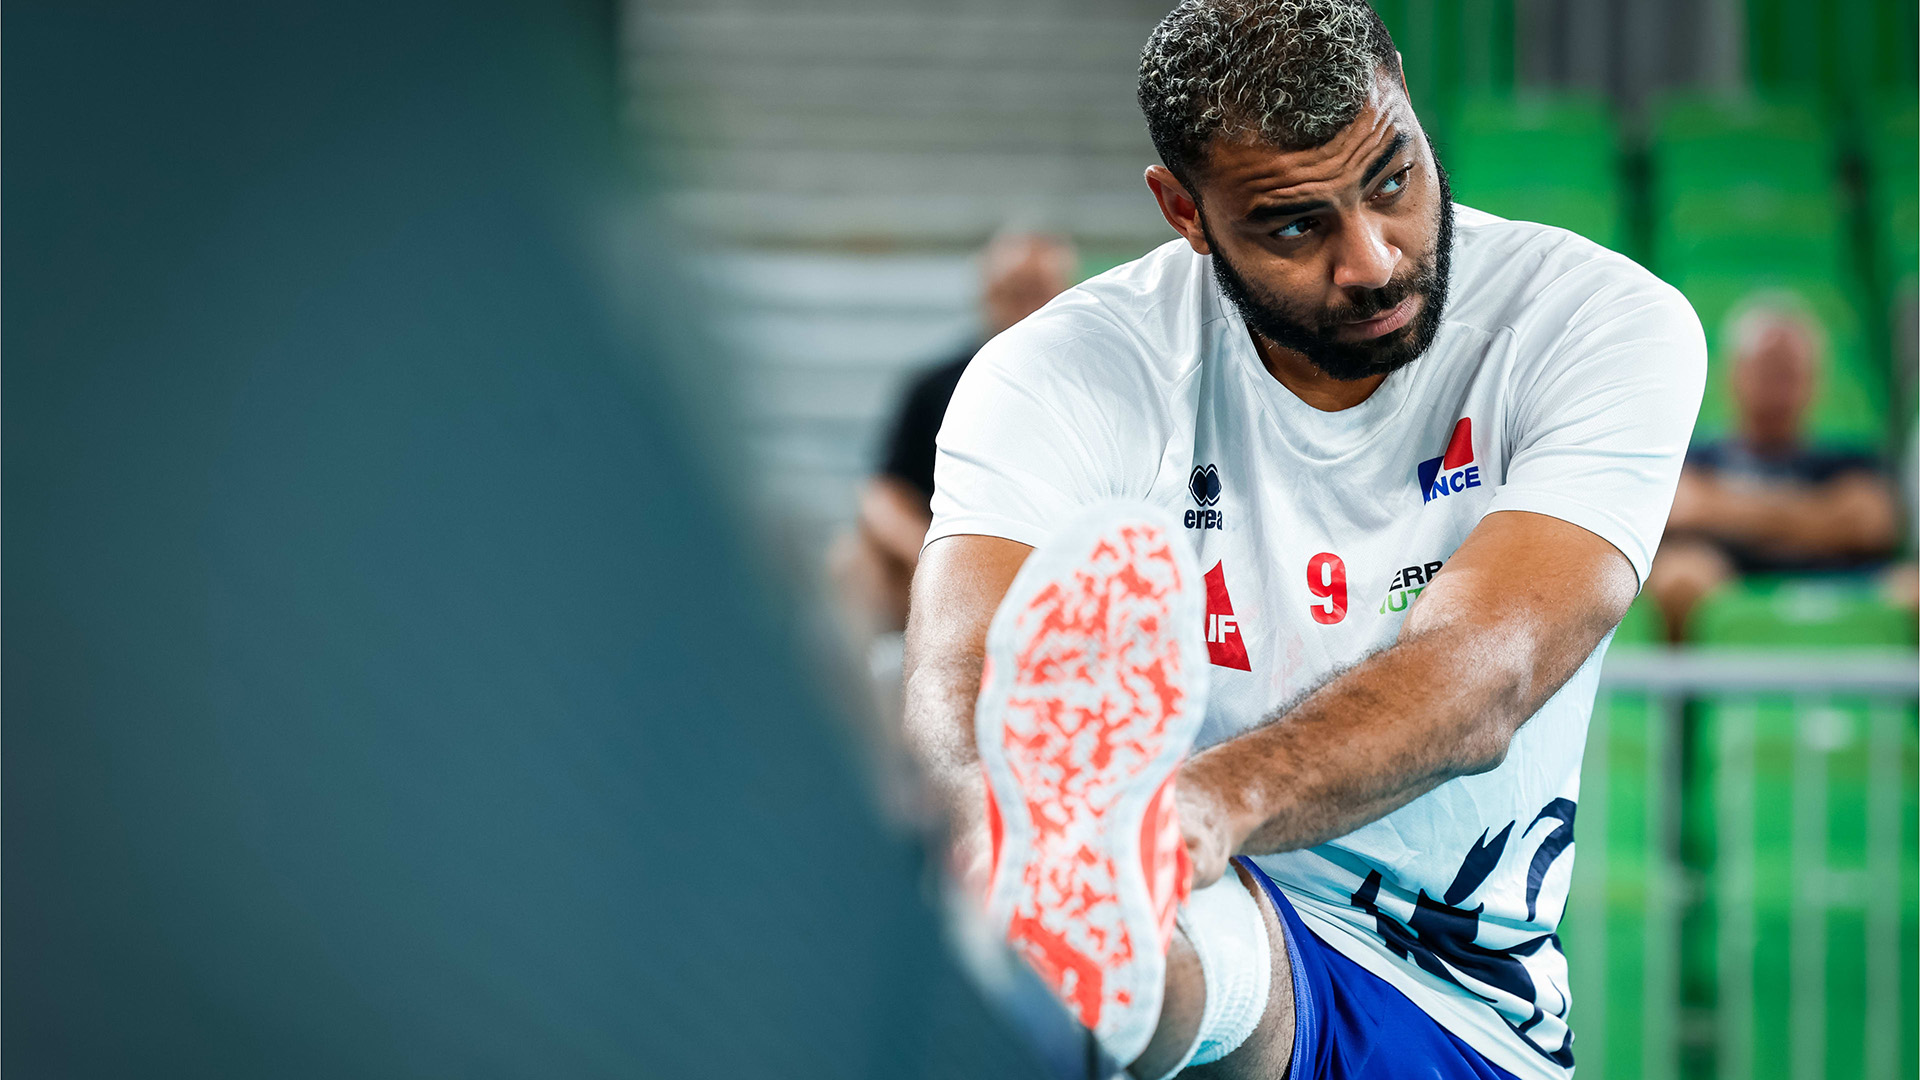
{"points": [[1364, 258]]}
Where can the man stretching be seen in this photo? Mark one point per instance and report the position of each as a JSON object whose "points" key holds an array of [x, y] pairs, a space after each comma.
{"points": [[1332, 503]]}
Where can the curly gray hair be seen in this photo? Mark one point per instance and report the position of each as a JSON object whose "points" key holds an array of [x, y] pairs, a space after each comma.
{"points": [[1287, 72]]}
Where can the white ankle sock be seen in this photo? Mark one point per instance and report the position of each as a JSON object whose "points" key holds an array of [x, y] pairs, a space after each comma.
{"points": [[1227, 930]]}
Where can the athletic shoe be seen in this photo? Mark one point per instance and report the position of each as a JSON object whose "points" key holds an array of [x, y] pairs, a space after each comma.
{"points": [[1095, 685]]}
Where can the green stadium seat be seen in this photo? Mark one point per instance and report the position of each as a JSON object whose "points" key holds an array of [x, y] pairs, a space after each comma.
{"points": [[1750, 224], [1852, 407], [1594, 215], [1551, 159], [1800, 613], [1692, 117], [1891, 147], [1892, 137], [1744, 180], [1708, 141], [1605, 930], [1897, 230]]}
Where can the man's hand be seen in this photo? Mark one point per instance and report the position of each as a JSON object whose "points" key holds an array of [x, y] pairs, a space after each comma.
{"points": [[1207, 828]]}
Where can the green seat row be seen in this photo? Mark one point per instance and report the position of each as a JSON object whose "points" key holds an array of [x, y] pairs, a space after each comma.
{"points": [[1709, 142], [1744, 198], [1778, 939], [1801, 814], [1892, 149], [1745, 180], [1746, 202], [1751, 224], [1621, 994], [1801, 613], [1801, 811], [1554, 160]]}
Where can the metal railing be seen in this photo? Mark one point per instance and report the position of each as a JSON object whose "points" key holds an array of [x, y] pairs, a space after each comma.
{"points": [[1883, 683]]}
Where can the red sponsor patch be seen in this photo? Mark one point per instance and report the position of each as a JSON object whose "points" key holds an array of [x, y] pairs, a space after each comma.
{"points": [[1460, 447], [1225, 646]]}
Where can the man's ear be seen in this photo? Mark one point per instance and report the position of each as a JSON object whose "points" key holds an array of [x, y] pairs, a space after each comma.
{"points": [[1178, 206]]}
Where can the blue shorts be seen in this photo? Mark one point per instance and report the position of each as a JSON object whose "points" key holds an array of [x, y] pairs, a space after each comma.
{"points": [[1348, 1022]]}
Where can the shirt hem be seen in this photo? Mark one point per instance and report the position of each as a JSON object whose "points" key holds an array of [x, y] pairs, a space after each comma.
{"points": [[1596, 521], [1484, 1038], [1003, 528]]}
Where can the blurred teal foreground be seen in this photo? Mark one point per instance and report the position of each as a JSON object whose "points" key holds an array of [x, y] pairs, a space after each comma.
{"points": [[387, 690]]}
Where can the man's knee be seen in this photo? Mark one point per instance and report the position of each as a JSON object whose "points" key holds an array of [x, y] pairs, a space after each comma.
{"points": [[1245, 1024], [1268, 1050]]}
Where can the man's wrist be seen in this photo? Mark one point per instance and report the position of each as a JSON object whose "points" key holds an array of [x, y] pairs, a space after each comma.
{"points": [[1226, 804]]}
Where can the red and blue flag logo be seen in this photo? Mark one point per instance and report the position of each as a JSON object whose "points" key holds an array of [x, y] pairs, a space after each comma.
{"points": [[1453, 471]]}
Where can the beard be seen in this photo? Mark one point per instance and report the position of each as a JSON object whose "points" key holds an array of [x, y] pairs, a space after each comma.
{"points": [[1313, 334]]}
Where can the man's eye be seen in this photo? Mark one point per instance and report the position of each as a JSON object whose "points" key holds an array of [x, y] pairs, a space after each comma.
{"points": [[1397, 181], [1294, 230]]}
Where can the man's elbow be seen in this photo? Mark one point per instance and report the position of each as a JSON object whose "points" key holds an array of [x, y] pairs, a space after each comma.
{"points": [[1512, 693], [1880, 531], [1484, 748], [1476, 724], [1862, 519]]}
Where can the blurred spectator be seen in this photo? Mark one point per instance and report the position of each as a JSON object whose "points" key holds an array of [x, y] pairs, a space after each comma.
{"points": [[1765, 499], [874, 565]]}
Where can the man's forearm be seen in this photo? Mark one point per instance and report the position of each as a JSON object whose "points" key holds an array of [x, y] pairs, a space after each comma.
{"points": [[939, 698], [1377, 737], [955, 592], [1846, 517]]}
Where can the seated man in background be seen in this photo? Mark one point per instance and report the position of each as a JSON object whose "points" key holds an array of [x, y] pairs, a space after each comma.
{"points": [[1764, 499], [874, 565]]}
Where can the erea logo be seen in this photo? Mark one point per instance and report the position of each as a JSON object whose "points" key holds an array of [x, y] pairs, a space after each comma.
{"points": [[1454, 471], [1204, 486]]}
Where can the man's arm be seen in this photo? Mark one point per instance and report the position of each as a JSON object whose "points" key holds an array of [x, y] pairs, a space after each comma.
{"points": [[894, 518], [1519, 607], [955, 592], [1851, 514]]}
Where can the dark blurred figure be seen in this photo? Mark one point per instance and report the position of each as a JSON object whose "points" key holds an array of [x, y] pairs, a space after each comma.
{"points": [[874, 564], [1766, 499]]}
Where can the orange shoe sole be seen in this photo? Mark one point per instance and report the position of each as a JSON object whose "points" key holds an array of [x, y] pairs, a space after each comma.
{"points": [[1095, 686]]}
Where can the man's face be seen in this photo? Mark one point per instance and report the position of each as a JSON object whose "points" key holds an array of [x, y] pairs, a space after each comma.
{"points": [[1341, 252], [1775, 377]]}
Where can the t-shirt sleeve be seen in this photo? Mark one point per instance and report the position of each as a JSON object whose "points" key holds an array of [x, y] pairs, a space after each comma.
{"points": [[1602, 419], [1048, 419]]}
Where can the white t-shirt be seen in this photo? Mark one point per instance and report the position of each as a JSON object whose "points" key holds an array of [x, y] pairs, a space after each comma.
{"points": [[1563, 380]]}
